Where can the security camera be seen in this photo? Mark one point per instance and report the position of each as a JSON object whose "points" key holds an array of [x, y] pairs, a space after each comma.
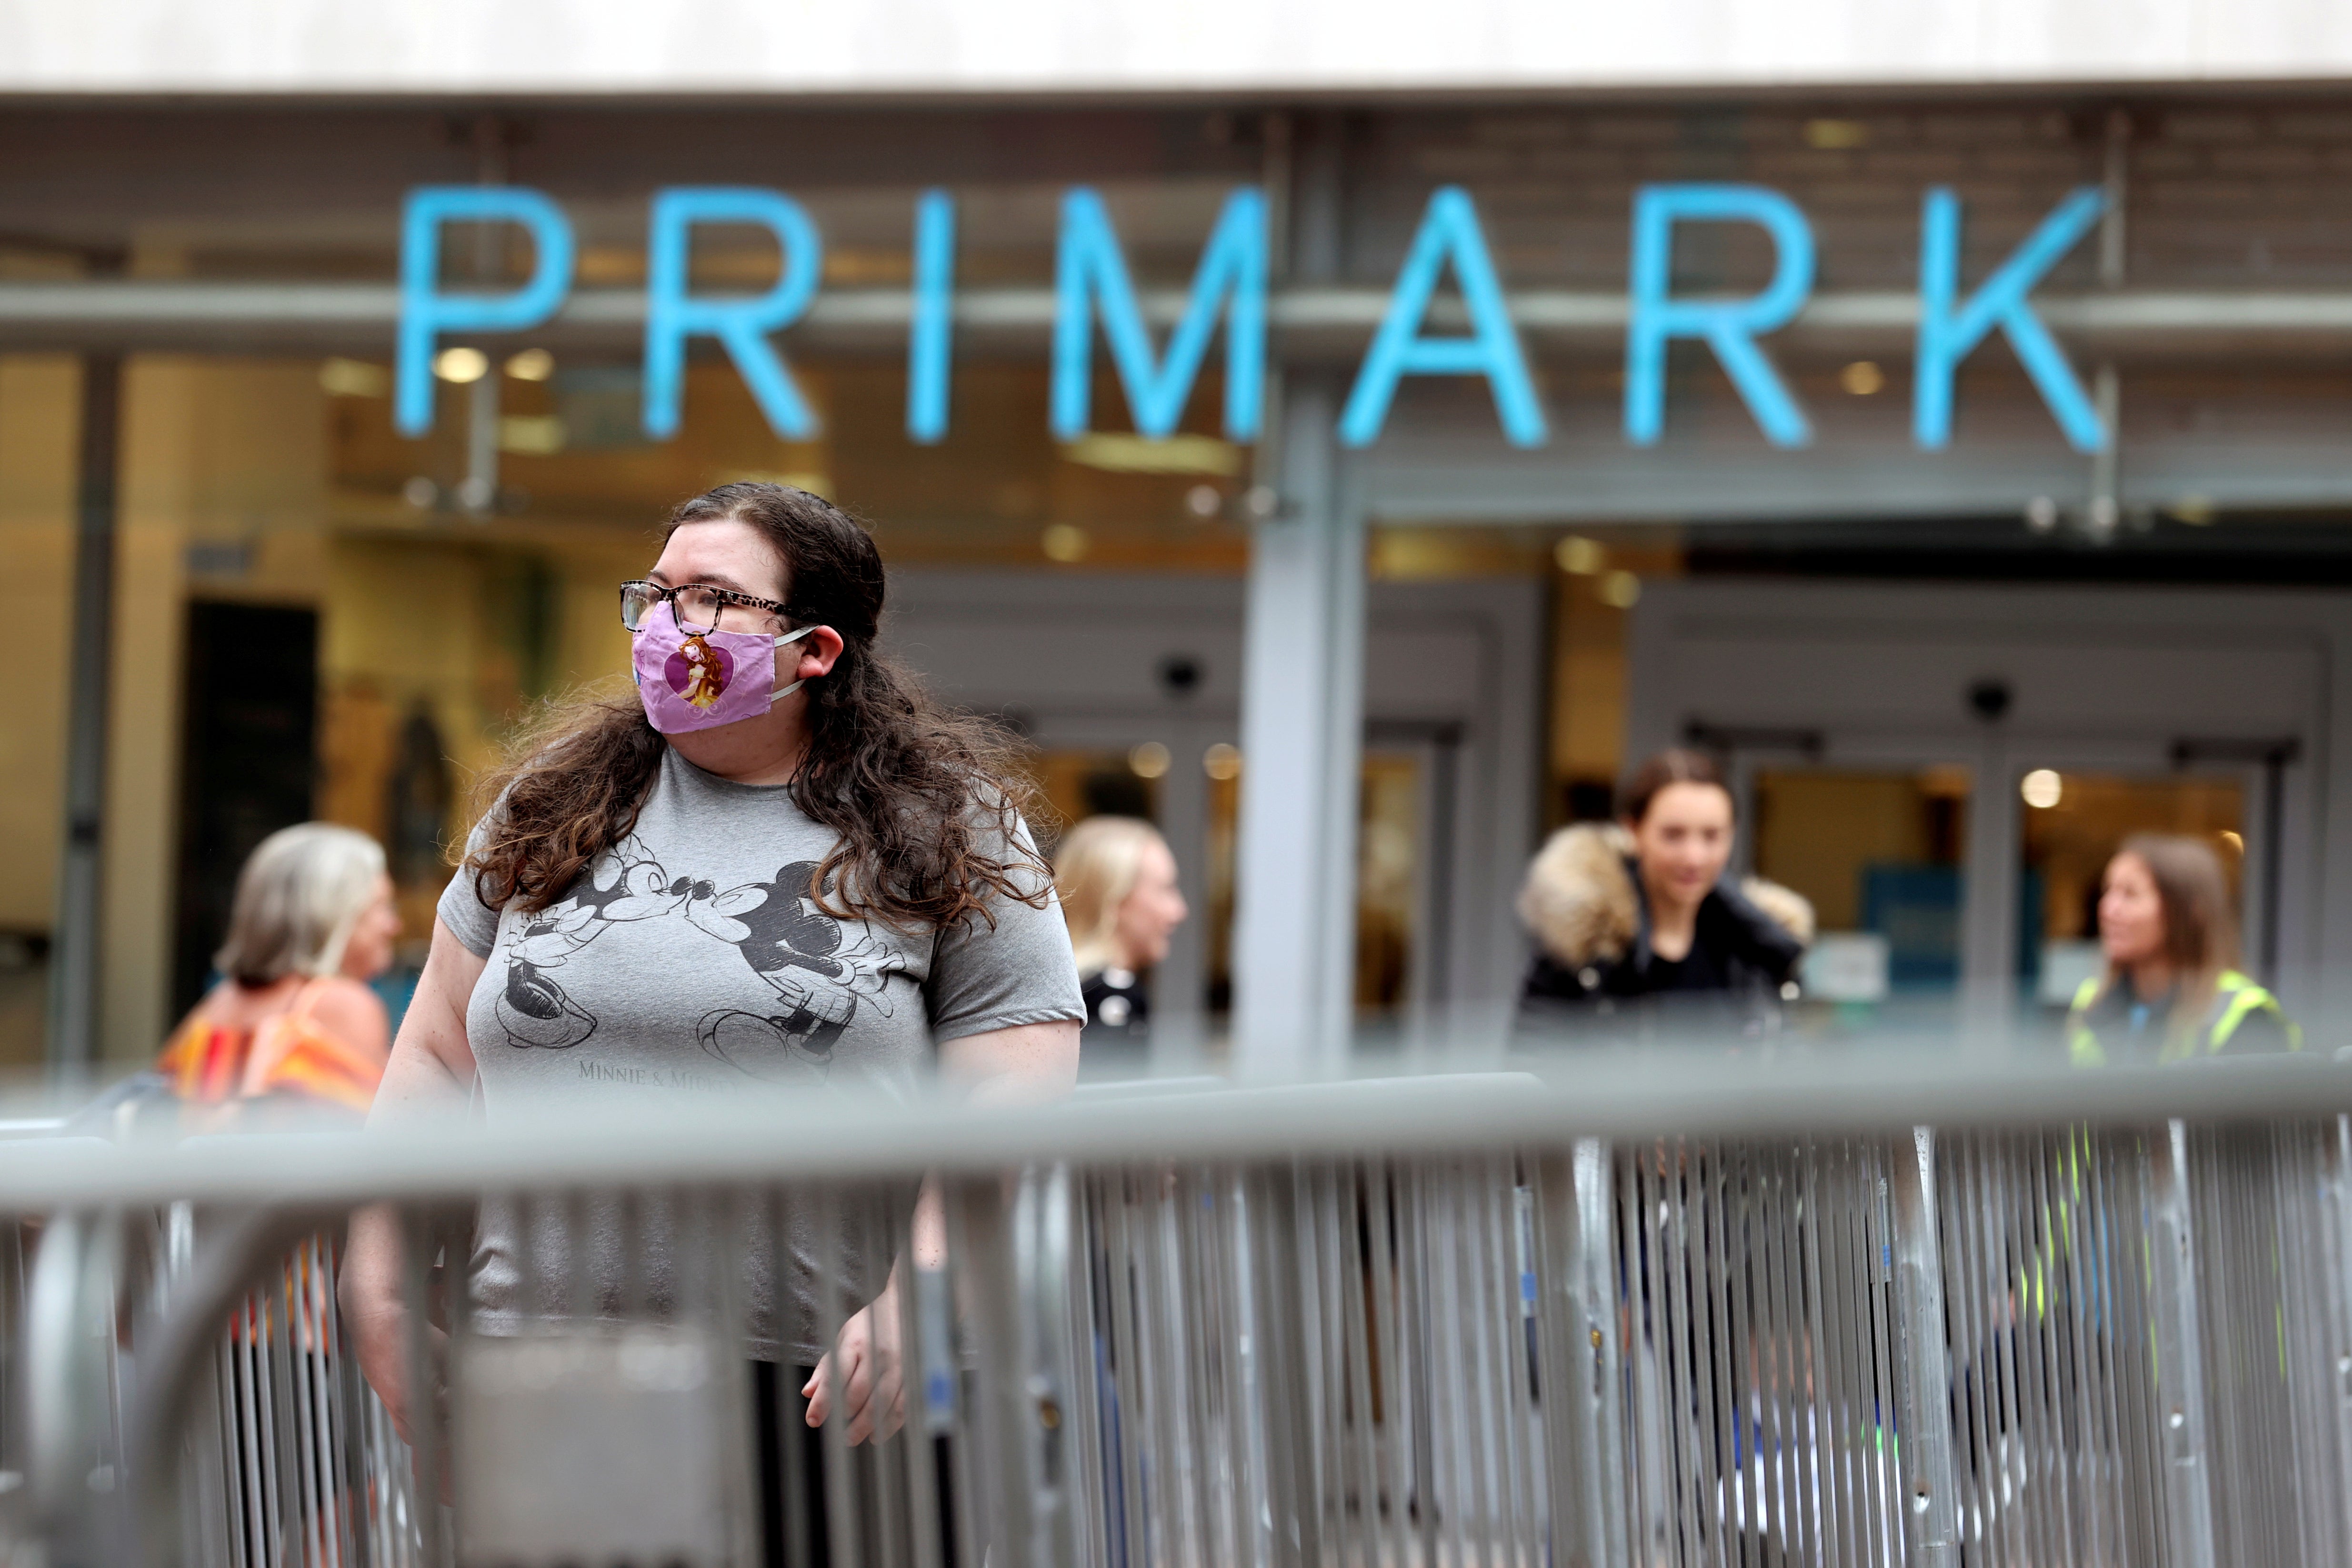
{"points": [[1181, 674]]}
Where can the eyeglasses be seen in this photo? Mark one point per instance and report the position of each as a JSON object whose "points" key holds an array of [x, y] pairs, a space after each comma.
{"points": [[702, 607]]}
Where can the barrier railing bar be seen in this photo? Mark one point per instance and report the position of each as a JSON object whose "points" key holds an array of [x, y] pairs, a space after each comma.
{"points": [[854, 1140], [2180, 1362], [2054, 1344], [1930, 1510]]}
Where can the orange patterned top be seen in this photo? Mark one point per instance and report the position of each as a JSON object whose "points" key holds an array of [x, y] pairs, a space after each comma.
{"points": [[290, 1055]]}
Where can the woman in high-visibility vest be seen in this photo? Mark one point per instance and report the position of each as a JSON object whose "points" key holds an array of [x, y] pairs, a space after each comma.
{"points": [[2171, 992]]}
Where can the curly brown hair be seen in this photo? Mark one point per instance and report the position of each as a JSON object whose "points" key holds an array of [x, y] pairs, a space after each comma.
{"points": [[927, 801]]}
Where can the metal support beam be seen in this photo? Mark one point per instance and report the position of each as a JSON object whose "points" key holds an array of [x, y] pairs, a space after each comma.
{"points": [[2105, 512], [1302, 717], [1989, 895], [1179, 980], [1930, 1507], [1313, 321], [478, 492], [74, 944], [1302, 693], [1583, 1360], [2182, 1432]]}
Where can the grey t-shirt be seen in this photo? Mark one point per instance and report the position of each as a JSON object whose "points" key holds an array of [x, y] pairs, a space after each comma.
{"points": [[689, 959]]}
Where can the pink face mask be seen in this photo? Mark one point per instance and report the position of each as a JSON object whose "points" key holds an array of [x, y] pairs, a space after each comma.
{"points": [[700, 679]]}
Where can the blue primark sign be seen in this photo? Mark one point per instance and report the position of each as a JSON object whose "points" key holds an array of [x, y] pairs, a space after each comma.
{"points": [[1092, 284]]}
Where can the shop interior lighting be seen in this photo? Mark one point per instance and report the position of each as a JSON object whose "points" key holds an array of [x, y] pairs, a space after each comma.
{"points": [[1837, 135], [1620, 590], [1149, 760], [1863, 378], [531, 365], [1221, 762], [353, 378], [533, 435], [1117, 451], [2042, 788], [1580, 556], [1065, 542], [461, 365]]}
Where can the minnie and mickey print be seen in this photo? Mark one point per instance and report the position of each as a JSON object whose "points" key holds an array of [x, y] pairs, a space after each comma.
{"points": [[820, 977]]}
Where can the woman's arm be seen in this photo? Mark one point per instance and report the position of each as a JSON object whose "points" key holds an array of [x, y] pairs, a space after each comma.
{"points": [[1026, 1065], [428, 1076]]}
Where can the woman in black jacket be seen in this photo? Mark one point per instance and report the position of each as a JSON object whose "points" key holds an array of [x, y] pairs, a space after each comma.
{"points": [[1636, 917]]}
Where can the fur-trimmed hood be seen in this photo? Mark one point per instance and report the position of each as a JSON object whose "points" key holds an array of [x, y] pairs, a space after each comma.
{"points": [[1579, 903]]}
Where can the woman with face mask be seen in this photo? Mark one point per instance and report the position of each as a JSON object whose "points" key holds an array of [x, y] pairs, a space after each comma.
{"points": [[1637, 914], [2171, 992], [777, 863]]}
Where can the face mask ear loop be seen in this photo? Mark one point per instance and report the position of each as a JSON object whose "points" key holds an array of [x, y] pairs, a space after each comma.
{"points": [[783, 691]]}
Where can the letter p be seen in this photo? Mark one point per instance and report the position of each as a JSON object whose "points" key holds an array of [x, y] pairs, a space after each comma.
{"points": [[426, 312]]}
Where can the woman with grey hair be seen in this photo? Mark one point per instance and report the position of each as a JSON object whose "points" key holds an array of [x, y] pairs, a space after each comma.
{"points": [[292, 1020]]}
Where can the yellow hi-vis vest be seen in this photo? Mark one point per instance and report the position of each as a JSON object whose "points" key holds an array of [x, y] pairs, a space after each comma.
{"points": [[2240, 998]]}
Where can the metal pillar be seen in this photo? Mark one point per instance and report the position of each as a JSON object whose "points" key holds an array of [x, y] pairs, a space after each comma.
{"points": [[1930, 1504], [1179, 981], [1988, 895], [1583, 1398], [1012, 1240], [1301, 743], [2104, 513], [478, 492], [1302, 693], [2180, 1352], [73, 1012]]}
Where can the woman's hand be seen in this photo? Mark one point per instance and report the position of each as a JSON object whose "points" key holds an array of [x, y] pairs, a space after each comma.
{"points": [[425, 1080], [865, 1356], [1024, 1065], [375, 1309]]}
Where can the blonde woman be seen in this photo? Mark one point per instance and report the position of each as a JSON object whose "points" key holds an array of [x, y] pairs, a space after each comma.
{"points": [[293, 1020], [1117, 881], [2171, 992]]}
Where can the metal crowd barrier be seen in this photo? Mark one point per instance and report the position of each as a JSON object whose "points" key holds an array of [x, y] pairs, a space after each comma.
{"points": [[2105, 1319]]}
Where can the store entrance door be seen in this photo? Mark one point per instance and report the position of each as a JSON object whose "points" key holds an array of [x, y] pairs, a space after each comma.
{"points": [[1128, 688], [246, 762], [1878, 844], [1946, 770]]}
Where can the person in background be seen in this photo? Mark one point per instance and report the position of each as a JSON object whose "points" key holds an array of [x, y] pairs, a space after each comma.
{"points": [[1637, 913], [1117, 880], [2171, 992], [292, 1026]]}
